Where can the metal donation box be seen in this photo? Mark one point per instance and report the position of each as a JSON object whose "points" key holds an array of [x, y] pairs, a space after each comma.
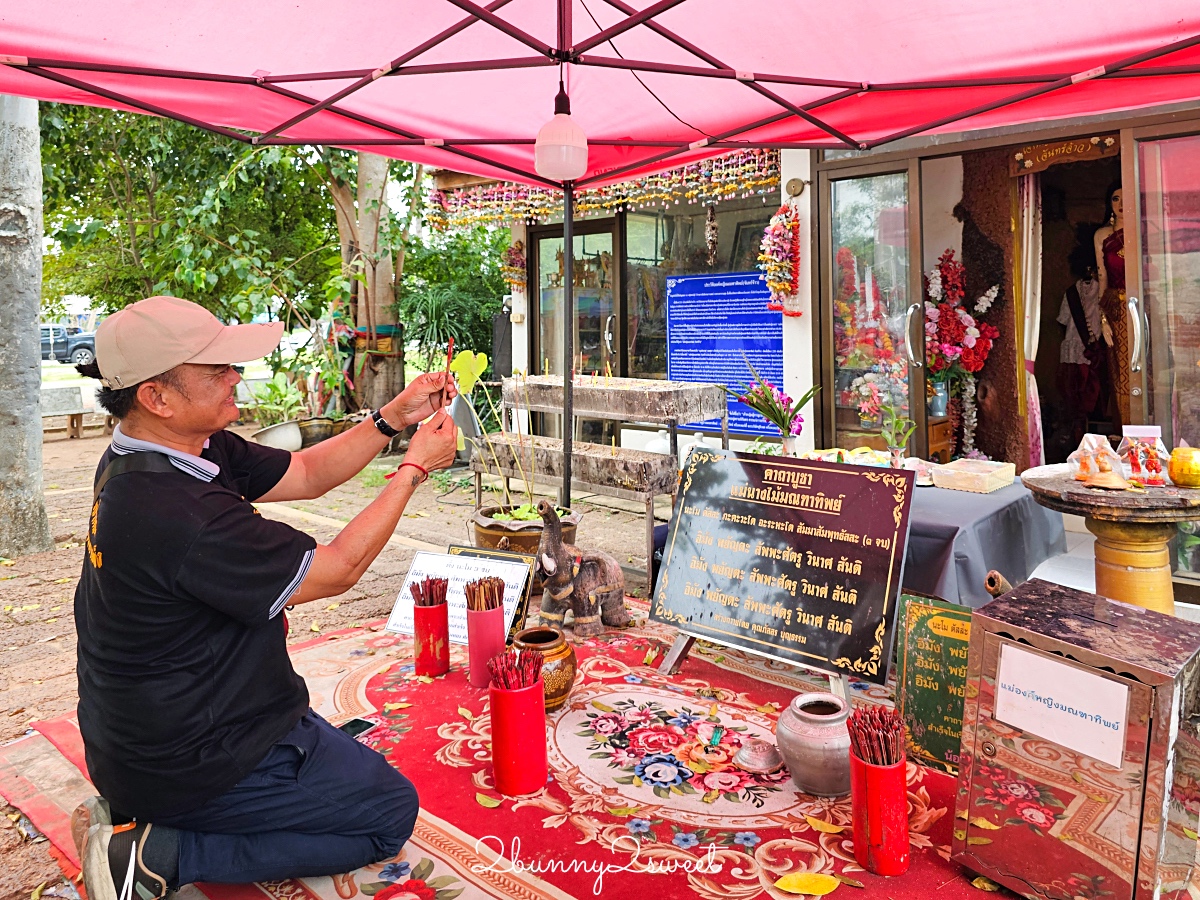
{"points": [[1080, 771]]}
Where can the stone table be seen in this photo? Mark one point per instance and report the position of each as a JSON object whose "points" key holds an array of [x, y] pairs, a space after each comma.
{"points": [[1131, 528]]}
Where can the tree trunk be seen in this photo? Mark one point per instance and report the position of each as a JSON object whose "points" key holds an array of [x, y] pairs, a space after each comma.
{"points": [[23, 524], [382, 377]]}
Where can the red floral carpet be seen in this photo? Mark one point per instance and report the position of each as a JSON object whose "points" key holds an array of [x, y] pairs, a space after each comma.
{"points": [[639, 797]]}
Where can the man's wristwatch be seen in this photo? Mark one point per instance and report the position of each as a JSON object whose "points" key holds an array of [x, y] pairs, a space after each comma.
{"points": [[381, 423]]}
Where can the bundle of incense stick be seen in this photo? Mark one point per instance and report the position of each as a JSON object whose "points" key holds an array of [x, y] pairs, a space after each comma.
{"points": [[877, 735], [430, 591], [484, 594], [512, 670]]}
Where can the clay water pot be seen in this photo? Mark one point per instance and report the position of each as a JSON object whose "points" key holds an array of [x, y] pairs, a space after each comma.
{"points": [[815, 743], [558, 661]]}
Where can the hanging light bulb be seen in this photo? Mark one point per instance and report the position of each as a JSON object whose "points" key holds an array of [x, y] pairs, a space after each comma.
{"points": [[561, 152]]}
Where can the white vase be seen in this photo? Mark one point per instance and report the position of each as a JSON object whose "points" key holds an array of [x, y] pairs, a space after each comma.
{"points": [[686, 447], [791, 445], [661, 443]]}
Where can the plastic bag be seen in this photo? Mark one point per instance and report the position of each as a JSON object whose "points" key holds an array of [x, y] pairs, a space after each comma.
{"points": [[1144, 454], [1095, 455]]}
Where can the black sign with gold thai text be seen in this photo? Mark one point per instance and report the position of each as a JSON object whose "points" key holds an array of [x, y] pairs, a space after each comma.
{"points": [[800, 560]]}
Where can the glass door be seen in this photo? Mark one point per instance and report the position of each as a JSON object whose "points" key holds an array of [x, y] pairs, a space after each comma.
{"points": [[1164, 343], [874, 342], [597, 329]]}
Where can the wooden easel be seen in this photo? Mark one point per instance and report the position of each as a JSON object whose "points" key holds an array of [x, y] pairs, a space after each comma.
{"points": [[839, 684]]}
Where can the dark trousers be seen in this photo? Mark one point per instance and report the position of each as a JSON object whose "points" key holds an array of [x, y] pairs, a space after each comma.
{"points": [[319, 803]]}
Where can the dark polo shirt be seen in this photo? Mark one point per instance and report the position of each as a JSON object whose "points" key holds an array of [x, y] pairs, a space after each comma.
{"points": [[184, 676]]}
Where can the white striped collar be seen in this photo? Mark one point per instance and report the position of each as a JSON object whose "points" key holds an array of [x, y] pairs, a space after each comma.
{"points": [[204, 469]]}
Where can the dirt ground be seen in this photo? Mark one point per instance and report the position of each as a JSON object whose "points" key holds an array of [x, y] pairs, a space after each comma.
{"points": [[37, 629]]}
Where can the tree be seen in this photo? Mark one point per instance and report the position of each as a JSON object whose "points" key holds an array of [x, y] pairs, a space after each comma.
{"points": [[137, 205], [373, 242], [452, 286], [24, 527]]}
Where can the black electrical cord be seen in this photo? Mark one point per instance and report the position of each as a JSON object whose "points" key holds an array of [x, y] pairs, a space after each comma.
{"points": [[642, 83]]}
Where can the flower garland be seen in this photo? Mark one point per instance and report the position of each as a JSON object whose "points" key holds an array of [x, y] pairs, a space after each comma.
{"points": [[512, 266], [743, 173], [779, 258], [970, 416]]}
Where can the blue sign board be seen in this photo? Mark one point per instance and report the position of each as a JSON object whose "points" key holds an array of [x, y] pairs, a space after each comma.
{"points": [[715, 323]]}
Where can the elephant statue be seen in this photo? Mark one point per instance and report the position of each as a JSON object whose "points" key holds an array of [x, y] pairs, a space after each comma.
{"points": [[590, 582]]}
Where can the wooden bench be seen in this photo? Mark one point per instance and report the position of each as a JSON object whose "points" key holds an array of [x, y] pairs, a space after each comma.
{"points": [[65, 401], [614, 471]]}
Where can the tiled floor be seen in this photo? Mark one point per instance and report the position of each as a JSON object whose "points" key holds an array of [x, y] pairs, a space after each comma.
{"points": [[1077, 567]]}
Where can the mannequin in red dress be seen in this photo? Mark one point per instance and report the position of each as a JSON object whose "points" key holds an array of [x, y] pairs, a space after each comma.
{"points": [[1110, 266]]}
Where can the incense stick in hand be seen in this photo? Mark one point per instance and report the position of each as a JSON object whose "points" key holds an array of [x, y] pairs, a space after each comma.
{"points": [[449, 359]]}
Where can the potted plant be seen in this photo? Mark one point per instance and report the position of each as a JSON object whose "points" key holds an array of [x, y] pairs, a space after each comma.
{"points": [[896, 430], [519, 525], [776, 407], [276, 405]]}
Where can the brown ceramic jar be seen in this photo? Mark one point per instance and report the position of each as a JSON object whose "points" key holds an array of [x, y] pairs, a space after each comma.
{"points": [[558, 667]]}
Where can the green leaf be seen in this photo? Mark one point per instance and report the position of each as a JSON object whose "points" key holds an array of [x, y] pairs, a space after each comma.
{"points": [[485, 800], [423, 869]]}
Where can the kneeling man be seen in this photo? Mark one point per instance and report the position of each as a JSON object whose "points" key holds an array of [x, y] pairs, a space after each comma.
{"points": [[198, 733]]}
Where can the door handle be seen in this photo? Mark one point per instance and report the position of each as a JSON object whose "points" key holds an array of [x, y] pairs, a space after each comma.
{"points": [[1135, 313], [608, 334], [908, 341]]}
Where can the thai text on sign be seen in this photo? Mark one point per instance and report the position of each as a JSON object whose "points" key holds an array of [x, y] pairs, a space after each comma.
{"points": [[800, 560]]}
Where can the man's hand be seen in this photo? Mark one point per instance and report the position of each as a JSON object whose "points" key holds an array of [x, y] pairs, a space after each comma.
{"points": [[435, 444], [424, 396]]}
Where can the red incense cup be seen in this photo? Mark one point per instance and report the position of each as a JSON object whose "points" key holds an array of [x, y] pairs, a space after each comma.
{"points": [[485, 639], [431, 639], [879, 805], [519, 764]]}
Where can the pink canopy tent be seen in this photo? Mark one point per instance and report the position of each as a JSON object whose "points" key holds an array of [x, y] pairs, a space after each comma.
{"points": [[454, 84]]}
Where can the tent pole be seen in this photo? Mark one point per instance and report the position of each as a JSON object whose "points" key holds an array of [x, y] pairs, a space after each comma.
{"points": [[568, 367]]}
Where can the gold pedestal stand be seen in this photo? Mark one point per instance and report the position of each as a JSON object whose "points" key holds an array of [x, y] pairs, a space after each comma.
{"points": [[1132, 528], [1132, 563]]}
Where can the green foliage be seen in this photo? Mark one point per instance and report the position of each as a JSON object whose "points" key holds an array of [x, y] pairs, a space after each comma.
{"points": [[526, 512], [897, 427], [137, 205], [452, 286], [277, 401]]}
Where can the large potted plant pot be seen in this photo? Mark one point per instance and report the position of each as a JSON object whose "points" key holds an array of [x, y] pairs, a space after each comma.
{"points": [[315, 430], [283, 436], [522, 536]]}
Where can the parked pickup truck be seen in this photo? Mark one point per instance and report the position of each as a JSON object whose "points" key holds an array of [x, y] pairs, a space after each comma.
{"points": [[76, 349]]}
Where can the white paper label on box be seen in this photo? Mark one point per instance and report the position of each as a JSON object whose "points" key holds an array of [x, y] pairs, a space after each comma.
{"points": [[1062, 703], [459, 570]]}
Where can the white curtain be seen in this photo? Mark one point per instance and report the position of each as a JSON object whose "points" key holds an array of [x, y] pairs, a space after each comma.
{"points": [[1029, 224]]}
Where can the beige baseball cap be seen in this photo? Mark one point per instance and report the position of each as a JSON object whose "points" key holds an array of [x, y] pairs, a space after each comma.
{"points": [[159, 333]]}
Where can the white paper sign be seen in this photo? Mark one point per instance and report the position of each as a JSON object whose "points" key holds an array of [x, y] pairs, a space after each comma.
{"points": [[1062, 703], [459, 570]]}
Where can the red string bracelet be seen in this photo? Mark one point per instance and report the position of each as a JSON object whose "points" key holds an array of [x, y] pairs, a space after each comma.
{"points": [[421, 469]]}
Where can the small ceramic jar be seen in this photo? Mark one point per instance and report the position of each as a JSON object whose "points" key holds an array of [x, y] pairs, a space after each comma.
{"points": [[558, 666], [815, 743]]}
